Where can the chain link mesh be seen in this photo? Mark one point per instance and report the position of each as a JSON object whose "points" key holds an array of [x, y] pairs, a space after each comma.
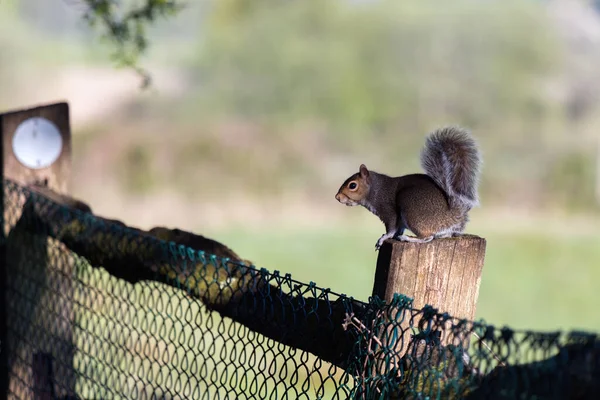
{"points": [[96, 309]]}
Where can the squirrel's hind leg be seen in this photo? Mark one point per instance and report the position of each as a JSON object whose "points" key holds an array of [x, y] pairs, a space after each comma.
{"points": [[399, 231], [452, 231], [405, 238], [446, 234]]}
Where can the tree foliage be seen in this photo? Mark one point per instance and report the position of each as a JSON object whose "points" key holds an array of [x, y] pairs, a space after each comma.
{"points": [[374, 64], [126, 26]]}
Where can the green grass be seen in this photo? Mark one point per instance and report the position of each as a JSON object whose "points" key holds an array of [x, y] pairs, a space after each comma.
{"points": [[541, 281], [531, 280]]}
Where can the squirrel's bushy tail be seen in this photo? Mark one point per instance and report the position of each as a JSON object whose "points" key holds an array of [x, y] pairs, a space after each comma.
{"points": [[452, 159]]}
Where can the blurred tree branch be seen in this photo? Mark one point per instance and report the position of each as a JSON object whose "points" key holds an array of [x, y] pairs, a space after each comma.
{"points": [[126, 28]]}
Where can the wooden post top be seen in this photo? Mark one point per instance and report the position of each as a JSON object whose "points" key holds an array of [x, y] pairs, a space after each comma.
{"points": [[444, 273]]}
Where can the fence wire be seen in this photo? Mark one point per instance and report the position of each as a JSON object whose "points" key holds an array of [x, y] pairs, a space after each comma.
{"points": [[98, 310]]}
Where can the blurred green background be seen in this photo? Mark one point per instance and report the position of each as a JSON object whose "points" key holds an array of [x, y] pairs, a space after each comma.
{"points": [[260, 109]]}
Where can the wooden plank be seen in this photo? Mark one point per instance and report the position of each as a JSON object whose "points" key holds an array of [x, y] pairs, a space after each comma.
{"points": [[4, 370], [38, 279]]}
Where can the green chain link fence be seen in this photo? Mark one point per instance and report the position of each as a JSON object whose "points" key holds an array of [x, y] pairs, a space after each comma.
{"points": [[98, 310]]}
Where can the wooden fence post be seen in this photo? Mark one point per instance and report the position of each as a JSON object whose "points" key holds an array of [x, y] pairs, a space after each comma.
{"points": [[4, 369], [444, 273], [36, 148]]}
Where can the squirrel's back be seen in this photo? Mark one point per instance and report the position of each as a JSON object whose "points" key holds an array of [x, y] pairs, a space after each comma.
{"points": [[452, 159]]}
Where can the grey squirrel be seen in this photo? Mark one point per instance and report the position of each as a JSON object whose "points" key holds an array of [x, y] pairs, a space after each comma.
{"points": [[430, 205]]}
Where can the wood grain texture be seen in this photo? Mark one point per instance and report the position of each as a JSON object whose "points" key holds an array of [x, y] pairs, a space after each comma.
{"points": [[444, 273], [4, 370], [37, 287]]}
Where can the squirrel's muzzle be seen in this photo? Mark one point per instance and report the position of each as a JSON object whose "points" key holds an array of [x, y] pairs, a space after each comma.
{"points": [[345, 200]]}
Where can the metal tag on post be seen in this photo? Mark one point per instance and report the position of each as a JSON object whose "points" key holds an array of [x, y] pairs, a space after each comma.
{"points": [[37, 145]]}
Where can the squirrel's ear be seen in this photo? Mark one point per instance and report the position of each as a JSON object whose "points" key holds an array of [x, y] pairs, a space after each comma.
{"points": [[364, 172]]}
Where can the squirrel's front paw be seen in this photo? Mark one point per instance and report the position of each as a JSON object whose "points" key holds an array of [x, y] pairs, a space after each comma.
{"points": [[379, 243]]}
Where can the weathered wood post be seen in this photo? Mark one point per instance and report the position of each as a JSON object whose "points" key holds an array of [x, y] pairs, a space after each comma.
{"points": [[444, 273], [37, 281], [4, 370]]}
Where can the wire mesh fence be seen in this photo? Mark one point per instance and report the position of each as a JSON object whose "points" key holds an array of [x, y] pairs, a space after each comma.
{"points": [[96, 309]]}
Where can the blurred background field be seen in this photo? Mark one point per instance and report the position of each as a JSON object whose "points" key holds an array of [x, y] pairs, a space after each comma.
{"points": [[259, 109]]}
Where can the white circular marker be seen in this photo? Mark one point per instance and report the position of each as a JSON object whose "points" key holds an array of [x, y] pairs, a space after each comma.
{"points": [[37, 143]]}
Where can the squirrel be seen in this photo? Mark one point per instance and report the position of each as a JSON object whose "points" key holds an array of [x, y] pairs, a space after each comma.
{"points": [[430, 205]]}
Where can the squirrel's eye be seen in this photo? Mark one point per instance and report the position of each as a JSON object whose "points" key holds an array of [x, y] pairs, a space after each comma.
{"points": [[352, 185]]}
